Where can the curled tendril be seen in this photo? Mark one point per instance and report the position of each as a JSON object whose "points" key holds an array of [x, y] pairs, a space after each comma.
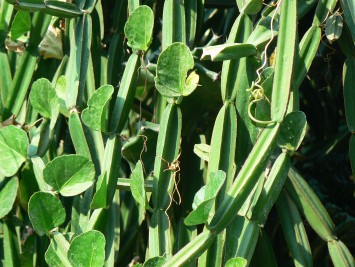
{"points": [[256, 90], [257, 94]]}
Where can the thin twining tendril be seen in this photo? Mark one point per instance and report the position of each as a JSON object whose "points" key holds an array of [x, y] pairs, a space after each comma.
{"points": [[256, 90]]}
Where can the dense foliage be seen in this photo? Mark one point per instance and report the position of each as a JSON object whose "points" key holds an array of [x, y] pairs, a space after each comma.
{"points": [[177, 133]]}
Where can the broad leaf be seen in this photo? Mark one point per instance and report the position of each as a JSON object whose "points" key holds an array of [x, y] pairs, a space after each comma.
{"points": [[44, 100], [87, 249], [8, 193], [204, 199], [293, 129], [95, 116], [139, 28], [46, 212], [173, 64], [70, 175], [21, 24], [13, 147]]}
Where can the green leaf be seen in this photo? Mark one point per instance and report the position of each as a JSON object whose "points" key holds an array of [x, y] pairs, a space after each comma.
{"points": [[95, 116], [203, 151], [236, 262], [137, 184], [155, 262], [173, 64], [8, 193], [227, 51], [293, 129], [21, 24], [45, 211], [333, 27], [204, 199], [87, 249], [56, 254], [13, 147], [139, 28], [70, 175], [252, 7], [61, 90], [44, 99], [99, 199]]}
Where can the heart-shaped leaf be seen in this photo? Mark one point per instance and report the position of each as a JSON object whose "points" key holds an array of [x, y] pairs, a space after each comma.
{"points": [[70, 175], [8, 193], [173, 64], [95, 115], [204, 199], [139, 28], [87, 249], [45, 211], [13, 147]]}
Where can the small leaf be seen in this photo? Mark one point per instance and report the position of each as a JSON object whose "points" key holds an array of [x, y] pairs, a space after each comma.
{"points": [[333, 27], [204, 199], [191, 83], [252, 7], [237, 262], [56, 254], [21, 24], [227, 51], [61, 90], [44, 99], [46, 212], [139, 28], [100, 196], [173, 64], [155, 262], [292, 131], [13, 146], [137, 184], [8, 193], [203, 151], [70, 175], [51, 46], [95, 116], [87, 249]]}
